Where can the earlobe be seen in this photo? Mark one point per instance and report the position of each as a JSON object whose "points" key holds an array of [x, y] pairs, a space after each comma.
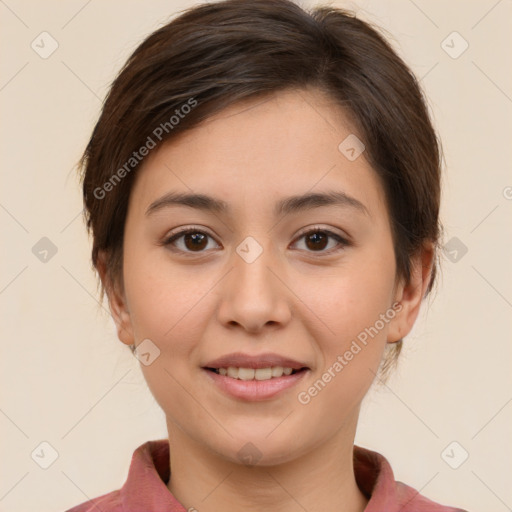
{"points": [[410, 295], [117, 303]]}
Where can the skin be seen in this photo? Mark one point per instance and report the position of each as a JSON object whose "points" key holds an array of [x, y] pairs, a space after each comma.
{"points": [[298, 301]]}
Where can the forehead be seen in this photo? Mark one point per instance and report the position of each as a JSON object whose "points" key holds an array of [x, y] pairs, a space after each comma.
{"points": [[255, 152]]}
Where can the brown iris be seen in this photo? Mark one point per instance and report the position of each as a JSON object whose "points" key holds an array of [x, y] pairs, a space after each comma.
{"points": [[195, 241], [317, 240]]}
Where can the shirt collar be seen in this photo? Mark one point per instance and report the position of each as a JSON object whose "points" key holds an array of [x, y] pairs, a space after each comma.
{"points": [[146, 484]]}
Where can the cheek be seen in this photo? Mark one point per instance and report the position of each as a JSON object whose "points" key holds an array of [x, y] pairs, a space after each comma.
{"points": [[350, 357], [354, 306], [353, 296], [166, 307], [165, 300]]}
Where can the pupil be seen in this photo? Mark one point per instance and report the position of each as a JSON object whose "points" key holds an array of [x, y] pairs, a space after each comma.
{"points": [[319, 240]]}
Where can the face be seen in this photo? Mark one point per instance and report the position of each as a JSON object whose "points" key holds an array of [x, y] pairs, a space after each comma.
{"points": [[265, 277]]}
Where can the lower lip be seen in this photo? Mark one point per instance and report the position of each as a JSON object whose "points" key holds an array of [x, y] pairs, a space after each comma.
{"points": [[255, 390]]}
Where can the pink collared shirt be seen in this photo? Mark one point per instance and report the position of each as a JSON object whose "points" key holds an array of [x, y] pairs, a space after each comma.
{"points": [[145, 489]]}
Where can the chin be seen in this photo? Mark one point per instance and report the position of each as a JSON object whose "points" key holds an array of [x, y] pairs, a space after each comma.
{"points": [[253, 450]]}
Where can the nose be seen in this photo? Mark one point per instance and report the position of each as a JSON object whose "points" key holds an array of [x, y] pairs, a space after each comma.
{"points": [[254, 294]]}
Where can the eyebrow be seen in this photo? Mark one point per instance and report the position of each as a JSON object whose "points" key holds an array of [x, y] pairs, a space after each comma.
{"points": [[284, 206]]}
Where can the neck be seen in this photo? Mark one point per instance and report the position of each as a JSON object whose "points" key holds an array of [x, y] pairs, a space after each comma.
{"points": [[318, 480]]}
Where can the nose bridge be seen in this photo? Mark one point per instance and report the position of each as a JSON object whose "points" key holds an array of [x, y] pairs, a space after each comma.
{"points": [[254, 296], [252, 260]]}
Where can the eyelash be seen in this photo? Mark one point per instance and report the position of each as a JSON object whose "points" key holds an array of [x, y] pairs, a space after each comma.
{"points": [[343, 242]]}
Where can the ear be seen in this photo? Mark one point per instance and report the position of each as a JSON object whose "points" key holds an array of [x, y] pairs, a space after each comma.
{"points": [[117, 302], [410, 295]]}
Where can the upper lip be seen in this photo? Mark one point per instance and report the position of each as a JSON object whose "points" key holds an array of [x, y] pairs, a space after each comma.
{"points": [[266, 360]]}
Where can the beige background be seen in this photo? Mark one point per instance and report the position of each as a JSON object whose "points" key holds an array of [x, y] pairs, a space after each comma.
{"points": [[66, 380]]}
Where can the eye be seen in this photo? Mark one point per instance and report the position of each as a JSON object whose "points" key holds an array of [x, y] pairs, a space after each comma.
{"points": [[188, 240], [317, 239], [194, 240]]}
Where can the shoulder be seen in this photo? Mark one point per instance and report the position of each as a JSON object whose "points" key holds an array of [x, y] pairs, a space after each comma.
{"points": [[145, 486], [376, 480], [110, 502], [410, 500]]}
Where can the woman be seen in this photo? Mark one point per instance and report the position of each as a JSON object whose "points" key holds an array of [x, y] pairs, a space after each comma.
{"points": [[263, 190]]}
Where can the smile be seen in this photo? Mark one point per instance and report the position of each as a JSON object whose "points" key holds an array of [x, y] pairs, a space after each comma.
{"points": [[254, 374], [254, 384]]}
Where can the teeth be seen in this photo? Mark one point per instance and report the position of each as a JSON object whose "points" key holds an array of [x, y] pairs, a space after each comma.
{"points": [[233, 372], [263, 374], [277, 371], [246, 373], [254, 374]]}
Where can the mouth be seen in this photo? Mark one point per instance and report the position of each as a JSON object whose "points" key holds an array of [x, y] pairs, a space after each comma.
{"points": [[255, 384], [254, 377], [259, 374]]}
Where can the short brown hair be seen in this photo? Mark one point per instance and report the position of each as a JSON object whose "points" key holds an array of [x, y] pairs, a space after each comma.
{"points": [[214, 55]]}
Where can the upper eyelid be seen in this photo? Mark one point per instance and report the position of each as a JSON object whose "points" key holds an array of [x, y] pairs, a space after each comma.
{"points": [[331, 231]]}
